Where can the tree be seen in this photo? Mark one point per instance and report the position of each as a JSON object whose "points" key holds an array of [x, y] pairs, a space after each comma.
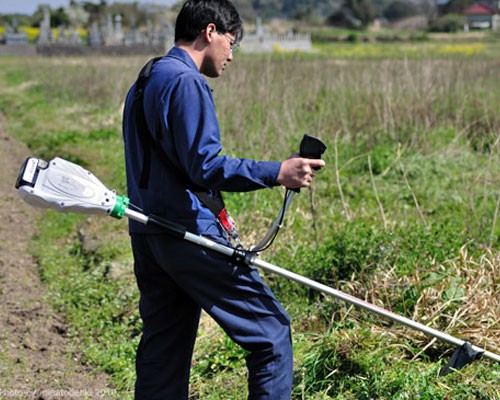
{"points": [[59, 17], [344, 18], [246, 9], [95, 11], [305, 13], [268, 8], [447, 23], [455, 6], [362, 10], [77, 16], [399, 9]]}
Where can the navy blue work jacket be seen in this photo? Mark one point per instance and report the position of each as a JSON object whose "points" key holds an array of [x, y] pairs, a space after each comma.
{"points": [[180, 113]]}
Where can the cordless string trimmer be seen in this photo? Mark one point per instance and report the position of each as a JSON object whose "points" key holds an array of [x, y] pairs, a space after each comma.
{"points": [[67, 187]]}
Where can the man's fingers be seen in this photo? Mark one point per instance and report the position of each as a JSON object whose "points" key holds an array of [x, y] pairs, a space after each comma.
{"points": [[299, 172], [316, 164]]}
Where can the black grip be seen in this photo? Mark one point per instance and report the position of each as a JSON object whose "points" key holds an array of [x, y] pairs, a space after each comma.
{"points": [[311, 147]]}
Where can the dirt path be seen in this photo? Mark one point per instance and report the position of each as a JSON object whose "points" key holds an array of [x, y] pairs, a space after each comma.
{"points": [[35, 362]]}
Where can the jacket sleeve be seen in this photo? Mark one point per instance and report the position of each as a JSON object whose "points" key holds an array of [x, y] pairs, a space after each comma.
{"points": [[193, 124]]}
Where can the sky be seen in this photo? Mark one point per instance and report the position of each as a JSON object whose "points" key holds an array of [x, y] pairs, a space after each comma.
{"points": [[30, 6]]}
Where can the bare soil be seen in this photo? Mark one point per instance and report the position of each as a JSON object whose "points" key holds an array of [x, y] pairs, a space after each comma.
{"points": [[36, 360]]}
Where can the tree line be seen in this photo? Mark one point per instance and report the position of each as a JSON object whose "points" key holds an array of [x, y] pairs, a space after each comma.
{"points": [[343, 13]]}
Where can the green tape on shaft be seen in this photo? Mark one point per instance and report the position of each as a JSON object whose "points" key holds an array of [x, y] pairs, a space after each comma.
{"points": [[121, 205]]}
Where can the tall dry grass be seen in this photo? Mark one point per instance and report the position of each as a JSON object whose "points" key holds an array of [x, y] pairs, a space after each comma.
{"points": [[399, 100]]}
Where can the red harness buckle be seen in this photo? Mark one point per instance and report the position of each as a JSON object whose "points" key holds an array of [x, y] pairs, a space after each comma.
{"points": [[228, 224]]}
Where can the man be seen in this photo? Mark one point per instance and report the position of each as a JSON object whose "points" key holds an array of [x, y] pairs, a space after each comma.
{"points": [[179, 157]]}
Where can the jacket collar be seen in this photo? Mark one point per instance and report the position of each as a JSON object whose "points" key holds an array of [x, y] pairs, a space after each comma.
{"points": [[183, 56]]}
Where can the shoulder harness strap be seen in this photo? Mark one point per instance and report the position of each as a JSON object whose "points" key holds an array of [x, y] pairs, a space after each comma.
{"points": [[142, 127]]}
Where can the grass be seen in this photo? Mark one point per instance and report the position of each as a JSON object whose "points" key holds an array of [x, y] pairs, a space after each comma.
{"points": [[409, 50], [405, 215]]}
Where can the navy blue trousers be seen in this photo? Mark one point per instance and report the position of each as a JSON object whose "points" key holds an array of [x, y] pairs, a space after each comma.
{"points": [[177, 279]]}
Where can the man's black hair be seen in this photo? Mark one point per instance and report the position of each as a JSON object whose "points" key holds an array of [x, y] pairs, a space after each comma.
{"points": [[195, 15]]}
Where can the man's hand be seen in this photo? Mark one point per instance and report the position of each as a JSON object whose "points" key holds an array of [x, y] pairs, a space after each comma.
{"points": [[298, 172]]}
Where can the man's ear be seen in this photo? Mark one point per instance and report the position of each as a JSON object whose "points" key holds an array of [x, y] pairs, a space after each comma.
{"points": [[209, 32]]}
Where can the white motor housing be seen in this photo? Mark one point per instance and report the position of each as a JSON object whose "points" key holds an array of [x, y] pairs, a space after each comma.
{"points": [[64, 186]]}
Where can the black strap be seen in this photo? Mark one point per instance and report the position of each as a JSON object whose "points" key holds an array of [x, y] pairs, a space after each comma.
{"points": [[143, 77], [214, 201], [142, 127]]}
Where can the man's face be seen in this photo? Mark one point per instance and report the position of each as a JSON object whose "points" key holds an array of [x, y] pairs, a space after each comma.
{"points": [[220, 54]]}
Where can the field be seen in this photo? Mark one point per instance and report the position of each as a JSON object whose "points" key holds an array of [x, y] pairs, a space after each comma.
{"points": [[405, 215]]}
